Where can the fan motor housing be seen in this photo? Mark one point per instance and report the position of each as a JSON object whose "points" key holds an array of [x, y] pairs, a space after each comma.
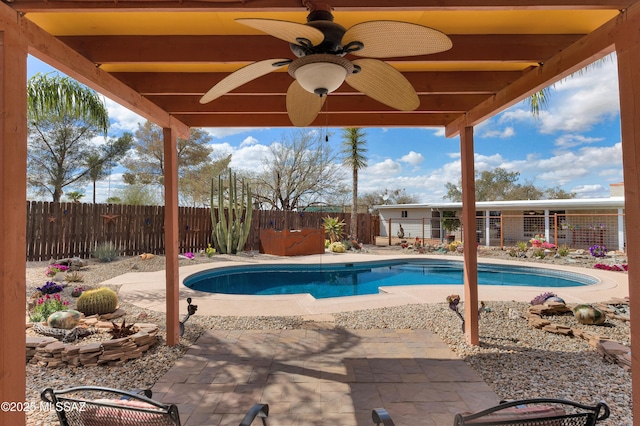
{"points": [[332, 43]]}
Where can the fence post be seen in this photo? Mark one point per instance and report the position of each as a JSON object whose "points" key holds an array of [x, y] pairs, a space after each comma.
{"points": [[501, 232], [555, 229], [389, 231]]}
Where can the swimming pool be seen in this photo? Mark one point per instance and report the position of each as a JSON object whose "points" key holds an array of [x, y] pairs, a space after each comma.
{"points": [[350, 279]]}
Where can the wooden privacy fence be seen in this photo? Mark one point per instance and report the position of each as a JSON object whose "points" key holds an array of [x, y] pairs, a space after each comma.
{"points": [[57, 230]]}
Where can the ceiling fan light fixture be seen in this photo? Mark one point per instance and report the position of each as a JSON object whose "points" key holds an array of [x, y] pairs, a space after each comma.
{"points": [[321, 73]]}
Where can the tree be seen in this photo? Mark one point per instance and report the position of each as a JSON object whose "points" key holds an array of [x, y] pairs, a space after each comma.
{"points": [[387, 196], [146, 166], [136, 195], [300, 171], [104, 159], [74, 196], [195, 185], [500, 185], [64, 116], [353, 150]]}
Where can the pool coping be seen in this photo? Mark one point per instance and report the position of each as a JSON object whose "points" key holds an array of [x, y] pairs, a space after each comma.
{"points": [[147, 289]]}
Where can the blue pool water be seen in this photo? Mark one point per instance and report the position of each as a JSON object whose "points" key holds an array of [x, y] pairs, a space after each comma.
{"points": [[350, 279]]}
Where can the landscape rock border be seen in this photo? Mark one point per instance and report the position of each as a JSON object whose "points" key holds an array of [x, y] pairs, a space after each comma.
{"points": [[50, 352], [612, 351]]}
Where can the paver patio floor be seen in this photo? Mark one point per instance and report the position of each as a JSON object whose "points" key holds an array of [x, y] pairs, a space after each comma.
{"points": [[322, 376]]}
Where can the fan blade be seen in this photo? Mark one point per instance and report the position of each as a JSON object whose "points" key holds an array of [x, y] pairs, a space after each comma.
{"points": [[384, 83], [242, 76], [389, 39], [302, 106], [285, 30]]}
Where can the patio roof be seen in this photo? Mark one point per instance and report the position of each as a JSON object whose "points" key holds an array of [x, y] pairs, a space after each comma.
{"points": [[172, 52], [158, 57]]}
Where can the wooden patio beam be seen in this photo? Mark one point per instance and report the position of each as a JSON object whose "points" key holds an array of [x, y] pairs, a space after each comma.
{"points": [[52, 51], [628, 56], [287, 5], [399, 119], [590, 48], [172, 283], [470, 265], [277, 103], [471, 82], [13, 222], [115, 49]]}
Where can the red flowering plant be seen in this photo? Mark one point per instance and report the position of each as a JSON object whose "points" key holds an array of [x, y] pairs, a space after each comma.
{"points": [[47, 305], [622, 267], [54, 268]]}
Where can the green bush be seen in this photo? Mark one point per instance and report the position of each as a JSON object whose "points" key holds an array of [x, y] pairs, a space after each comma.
{"points": [[563, 250], [106, 252]]}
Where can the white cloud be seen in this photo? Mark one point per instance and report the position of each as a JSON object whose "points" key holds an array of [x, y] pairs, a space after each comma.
{"points": [[575, 104], [122, 119], [248, 141], [566, 167], [505, 133], [590, 191], [384, 168], [412, 158], [570, 140], [222, 132], [248, 157]]}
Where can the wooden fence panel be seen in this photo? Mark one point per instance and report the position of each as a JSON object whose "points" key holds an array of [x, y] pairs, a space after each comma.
{"points": [[56, 230]]}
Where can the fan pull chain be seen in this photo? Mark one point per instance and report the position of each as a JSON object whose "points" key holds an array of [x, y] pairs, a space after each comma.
{"points": [[326, 120]]}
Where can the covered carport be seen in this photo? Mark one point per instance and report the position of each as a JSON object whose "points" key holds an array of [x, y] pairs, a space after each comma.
{"points": [[159, 57]]}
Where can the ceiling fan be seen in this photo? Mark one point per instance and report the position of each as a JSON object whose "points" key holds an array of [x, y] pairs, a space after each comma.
{"points": [[321, 67]]}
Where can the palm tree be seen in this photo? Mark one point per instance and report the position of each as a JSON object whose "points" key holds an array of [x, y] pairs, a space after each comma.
{"points": [[63, 117], [100, 162], [63, 96], [353, 150]]}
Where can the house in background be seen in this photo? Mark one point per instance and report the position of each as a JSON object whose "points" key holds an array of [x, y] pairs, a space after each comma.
{"points": [[577, 223]]}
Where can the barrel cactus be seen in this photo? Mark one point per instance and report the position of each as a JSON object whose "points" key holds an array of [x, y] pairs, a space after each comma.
{"points": [[337, 247], [99, 301]]}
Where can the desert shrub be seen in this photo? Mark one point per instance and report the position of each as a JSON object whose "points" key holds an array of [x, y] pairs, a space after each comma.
{"points": [[563, 250], [74, 277], [521, 245], [106, 252]]}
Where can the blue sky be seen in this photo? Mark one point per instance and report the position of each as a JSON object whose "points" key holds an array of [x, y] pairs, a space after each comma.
{"points": [[574, 143]]}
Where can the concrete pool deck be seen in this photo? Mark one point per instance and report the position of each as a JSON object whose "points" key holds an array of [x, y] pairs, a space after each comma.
{"points": [[147, 289]]}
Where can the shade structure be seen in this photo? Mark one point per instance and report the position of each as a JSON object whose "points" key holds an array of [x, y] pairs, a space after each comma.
{"points": [[158, 58]]}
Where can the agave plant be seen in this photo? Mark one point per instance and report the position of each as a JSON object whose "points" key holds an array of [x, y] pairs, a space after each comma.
{"points": [[334, 228]]}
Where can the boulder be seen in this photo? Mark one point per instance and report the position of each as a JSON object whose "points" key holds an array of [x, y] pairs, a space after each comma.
{"points": [[65, 320], [590, 315]]}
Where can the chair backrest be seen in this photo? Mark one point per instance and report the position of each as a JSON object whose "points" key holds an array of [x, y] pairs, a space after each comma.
{"points": [[99, 406], [536, 412]]}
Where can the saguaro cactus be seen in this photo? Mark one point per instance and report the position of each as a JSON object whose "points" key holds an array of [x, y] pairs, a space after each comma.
{"points": [[231, 228]]}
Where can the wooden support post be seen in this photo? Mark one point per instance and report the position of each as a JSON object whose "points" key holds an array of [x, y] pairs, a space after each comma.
{"points": [[469, 237], [13, 223], [171, 235], [628, 54]]}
